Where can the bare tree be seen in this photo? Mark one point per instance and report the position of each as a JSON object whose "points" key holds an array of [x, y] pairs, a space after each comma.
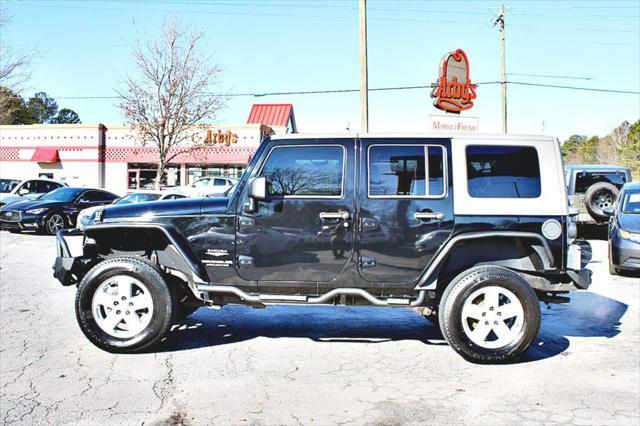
{"points": [[15, 71], [168, 100]]}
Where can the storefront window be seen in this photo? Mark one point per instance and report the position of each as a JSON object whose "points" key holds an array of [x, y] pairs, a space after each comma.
{"points": [[142, 176], [197, 171]]}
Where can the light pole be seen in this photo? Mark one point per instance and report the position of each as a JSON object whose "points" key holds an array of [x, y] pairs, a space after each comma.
{"points": [[364, 72]]}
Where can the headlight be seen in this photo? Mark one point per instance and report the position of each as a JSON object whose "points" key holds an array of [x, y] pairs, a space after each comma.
{"points": [[630, 236], [36, 211]]}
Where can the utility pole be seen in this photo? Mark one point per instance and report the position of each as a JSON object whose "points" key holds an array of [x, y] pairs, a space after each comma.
{"points": [[364, 71], [499, 21]]}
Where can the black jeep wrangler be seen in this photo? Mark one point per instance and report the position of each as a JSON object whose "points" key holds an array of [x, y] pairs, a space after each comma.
{"points": [[471, 231]]}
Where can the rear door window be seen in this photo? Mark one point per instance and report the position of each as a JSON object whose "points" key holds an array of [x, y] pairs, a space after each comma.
{"points": [[406, 171], [503, 171]]}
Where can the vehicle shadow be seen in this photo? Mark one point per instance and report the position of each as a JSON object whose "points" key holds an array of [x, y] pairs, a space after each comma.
{"points": [[588, 315], [319, 323]]}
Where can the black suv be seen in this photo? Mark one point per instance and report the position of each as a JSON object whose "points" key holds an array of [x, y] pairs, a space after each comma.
{"points": [[471, 231]]}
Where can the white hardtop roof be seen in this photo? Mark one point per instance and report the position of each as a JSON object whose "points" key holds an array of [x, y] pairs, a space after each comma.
{"points": [[493, 136]]}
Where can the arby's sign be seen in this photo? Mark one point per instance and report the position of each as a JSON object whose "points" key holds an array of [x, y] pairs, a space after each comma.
{"points": [[454, 91]]}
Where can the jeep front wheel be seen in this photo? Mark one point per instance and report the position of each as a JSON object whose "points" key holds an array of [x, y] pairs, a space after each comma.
{"points": [[489, 314], [124, 305]]}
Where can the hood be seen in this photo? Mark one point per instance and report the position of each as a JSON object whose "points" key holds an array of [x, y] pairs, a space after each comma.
{"points": [[630, 222], [24, 205], [154, 209], [8, 198]]}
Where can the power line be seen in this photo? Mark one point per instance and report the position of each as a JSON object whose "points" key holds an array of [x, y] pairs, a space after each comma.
{"points": [[590, 89], [376, 89], [568, 77], [288, 15]]}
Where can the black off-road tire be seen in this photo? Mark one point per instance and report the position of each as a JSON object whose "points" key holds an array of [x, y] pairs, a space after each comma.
{"points": [[593, 199], [450, 313], [162, 295]]}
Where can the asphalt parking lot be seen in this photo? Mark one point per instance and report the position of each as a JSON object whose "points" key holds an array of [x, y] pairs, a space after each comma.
{"points": [[322, 365]]}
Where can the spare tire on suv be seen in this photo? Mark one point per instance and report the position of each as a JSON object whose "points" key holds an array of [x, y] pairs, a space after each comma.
{"points": [[598, 196]]}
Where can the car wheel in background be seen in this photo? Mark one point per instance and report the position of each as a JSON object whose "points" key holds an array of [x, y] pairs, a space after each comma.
{"points": [[598, 196], [54, 223], [489, 314], [125, 305]]}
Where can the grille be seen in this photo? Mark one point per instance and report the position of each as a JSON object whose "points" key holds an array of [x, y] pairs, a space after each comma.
{"points": [[10, 216]]}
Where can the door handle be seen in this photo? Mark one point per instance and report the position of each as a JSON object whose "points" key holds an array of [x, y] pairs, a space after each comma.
{"points": [[428, 215], [334, 215]]}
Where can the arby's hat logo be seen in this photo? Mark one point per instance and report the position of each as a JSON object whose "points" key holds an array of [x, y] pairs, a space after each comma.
{"points": [[454, 91]]}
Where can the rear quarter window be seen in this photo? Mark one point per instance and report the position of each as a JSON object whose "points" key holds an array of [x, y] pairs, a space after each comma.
{"points": [[503, 171]]}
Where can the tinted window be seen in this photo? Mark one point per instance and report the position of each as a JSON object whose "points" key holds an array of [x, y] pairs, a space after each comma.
{"points": [[503, 171], [403, 170], [46, 186], [29, 187], [220, 182], [436, 170], [305, 171], [174, 197], [97, 196], [7, 185], [585, 179]]}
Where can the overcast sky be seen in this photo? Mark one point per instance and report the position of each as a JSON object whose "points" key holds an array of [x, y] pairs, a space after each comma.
{"points": [[83, 49]]}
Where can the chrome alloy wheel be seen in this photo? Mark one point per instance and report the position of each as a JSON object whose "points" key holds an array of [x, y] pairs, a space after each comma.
{"points": [[122, 306], [492, 317], [55, 223]]}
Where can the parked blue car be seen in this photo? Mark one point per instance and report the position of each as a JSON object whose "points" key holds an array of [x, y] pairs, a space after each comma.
{"points": [[624, 230]]}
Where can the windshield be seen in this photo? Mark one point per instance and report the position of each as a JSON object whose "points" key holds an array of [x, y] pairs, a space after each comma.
{"points": [[7, 185], [137, 197], [631, 203], [62, 194]]}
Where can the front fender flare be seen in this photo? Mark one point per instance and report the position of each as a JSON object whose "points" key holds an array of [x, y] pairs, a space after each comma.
{"points": [[174, 239]]}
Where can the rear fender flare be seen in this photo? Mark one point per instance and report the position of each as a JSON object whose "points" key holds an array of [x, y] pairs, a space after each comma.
{"points": [[429, 278]]}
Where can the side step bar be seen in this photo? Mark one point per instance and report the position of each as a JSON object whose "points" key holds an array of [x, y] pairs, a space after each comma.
{"points": [[265, 299]]}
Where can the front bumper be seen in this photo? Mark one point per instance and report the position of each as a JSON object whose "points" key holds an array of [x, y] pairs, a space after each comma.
{"points": [[625, 254], [66, 267]]}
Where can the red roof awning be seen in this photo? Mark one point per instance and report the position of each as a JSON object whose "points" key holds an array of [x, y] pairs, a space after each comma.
{"points": [[272, 115], [45, 155]]}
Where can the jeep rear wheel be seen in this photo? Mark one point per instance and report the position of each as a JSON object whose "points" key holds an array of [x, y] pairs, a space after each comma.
{"points": [[124, 305], [599, 196], [489, 314]]}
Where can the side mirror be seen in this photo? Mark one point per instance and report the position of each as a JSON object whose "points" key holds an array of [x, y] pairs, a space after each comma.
{"points": [[258, 188], [609, 211], [23, 191], [257, 191]]}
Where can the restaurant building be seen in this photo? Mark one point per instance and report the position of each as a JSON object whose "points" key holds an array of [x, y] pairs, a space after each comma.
{"points": [[113, 157]]}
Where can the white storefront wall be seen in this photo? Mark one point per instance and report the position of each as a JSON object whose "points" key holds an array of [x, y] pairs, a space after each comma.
{"points": [[78, 149]]}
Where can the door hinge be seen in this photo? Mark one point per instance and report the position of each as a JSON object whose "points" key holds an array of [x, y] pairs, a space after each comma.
{"points": [[367, 262]]}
